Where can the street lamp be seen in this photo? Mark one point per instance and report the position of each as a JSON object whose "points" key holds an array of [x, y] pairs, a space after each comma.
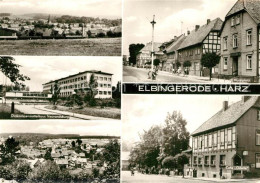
{"points": [[153, 23]]}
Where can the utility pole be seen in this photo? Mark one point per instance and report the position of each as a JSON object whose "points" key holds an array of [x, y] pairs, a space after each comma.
{"points": [[153, 22]]}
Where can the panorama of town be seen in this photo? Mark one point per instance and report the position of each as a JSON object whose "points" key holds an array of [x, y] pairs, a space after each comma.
{"points": [[59, 158]]}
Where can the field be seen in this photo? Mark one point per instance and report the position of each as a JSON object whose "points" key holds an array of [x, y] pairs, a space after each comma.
{"points": [[62, 47]]}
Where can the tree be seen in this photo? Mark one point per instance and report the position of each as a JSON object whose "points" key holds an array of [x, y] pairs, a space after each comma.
{"points": [[181, 160], [89, 33], [8, 150], [79, 142], [73, 144], [210, 60], [11, 70], [55, 90], [134, 49], [47, 155], [156, 62], [169, 162], [187, 64], [175, 135], [92, 92]]}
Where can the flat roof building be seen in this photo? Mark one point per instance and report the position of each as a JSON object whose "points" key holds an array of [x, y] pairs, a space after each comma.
{"points": [[73, 83]]}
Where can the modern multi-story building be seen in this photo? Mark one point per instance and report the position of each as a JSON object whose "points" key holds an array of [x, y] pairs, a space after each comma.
{"points": [[240, 40], [202, 40], [26, 96], [79, 82], [228, 144]]}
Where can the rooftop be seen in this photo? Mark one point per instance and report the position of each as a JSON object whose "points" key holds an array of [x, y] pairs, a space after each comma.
{"points": [[197, 37], [227, 117]]}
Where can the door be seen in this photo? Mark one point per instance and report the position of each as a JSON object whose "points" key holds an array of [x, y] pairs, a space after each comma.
{"points": [[235, 66]]}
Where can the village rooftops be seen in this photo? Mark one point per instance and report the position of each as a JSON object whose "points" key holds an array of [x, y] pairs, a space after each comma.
{"points": [[251, 6], [91, 71], [175, 44], [228, 115], [197, 36], [148, 47]]}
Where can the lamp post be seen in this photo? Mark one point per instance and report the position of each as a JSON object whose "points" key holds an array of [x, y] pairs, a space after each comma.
{"points": [[153, 23]]}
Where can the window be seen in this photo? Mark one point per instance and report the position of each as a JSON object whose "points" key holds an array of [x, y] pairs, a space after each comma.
{"points": [[109, 85], [105, 85], [109, 93], [109, 79], [238, 19], [200, 142], [225, 63], [101, 78], [210, 140], [199, 161], [229, 136], [249, 62], [258, 115], [215, 139], [235, 41], [206, 141], [206, 162], [225, 43], [100, 92], [257, 137], [213, 160], [195, 143], [195, 160], [222, 161], [101, 85], [257, 160], [249, 37], [233, 21], [105, 78], [222, 137], [105, 92]]}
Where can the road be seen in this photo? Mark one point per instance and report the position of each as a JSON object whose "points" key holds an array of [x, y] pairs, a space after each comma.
{"points": [[143, 178], [133, 74], [30, 109]]}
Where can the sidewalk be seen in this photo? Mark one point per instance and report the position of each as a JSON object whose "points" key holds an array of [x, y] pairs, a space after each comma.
{"points": [[190, 77], [80, 116], [222, 180]]}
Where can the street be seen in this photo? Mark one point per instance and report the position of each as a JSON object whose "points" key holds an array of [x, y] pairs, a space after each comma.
{"points": [[141, 178], [30, 109], [133, 74]]}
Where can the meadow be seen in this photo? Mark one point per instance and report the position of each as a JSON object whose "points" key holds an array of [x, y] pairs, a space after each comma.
{"points": [[62, 47]]}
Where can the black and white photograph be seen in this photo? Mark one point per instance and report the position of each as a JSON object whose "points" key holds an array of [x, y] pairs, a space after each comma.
{"points": [[76, 88], [63, 151], [190, 138], [61, 27], [182, 41]]}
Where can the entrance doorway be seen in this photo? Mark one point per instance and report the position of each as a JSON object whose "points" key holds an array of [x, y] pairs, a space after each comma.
{"points": [[235, 66], [237, 161]]}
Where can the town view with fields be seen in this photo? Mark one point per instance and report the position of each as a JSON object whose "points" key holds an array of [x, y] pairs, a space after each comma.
{"points": [[40, 157]]}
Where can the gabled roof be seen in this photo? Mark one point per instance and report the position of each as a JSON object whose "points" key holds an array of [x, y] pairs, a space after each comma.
{"points": [[227, 117], [148, 47], [175, 44], [251, 6], [197, 37]]}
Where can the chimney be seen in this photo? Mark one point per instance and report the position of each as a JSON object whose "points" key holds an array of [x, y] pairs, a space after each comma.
{"points": [[225, 105], [197, 27], [175, 37], [208, 21], [245, 98], [188, 32]]}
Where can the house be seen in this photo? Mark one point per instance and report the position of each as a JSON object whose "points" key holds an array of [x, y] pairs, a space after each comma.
{"points": [[240, 41], [6, 33], [202, 40], [63, 163], [144, 57], [229, 142], [170, 51]]}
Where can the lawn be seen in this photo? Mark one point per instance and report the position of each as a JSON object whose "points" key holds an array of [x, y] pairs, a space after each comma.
{"points": [[62, 47], [5, 111], [107, 112]]}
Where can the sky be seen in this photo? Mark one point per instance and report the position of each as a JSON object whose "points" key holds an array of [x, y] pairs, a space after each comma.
{"points": [[137, 15], [42, 69], [96, 8], [110, 128], [143, 111]]}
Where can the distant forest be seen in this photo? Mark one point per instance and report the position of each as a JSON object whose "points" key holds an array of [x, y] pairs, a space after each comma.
{"points": [[26, 138]]}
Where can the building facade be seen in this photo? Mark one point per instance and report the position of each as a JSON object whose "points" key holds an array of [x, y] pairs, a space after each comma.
{"points": [[228, 144], [202, 40], [240, 40], [80, 82]]}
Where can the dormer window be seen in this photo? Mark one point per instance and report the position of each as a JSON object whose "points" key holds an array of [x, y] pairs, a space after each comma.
{"points": [[233, 21], [238, 19]]}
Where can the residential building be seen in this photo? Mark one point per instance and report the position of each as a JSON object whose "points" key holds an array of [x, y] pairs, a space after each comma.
{"points": [[229, 142], [202, 40], [171, 53], [80, 82], [6, 33], [144, 57], [240, 41]]}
